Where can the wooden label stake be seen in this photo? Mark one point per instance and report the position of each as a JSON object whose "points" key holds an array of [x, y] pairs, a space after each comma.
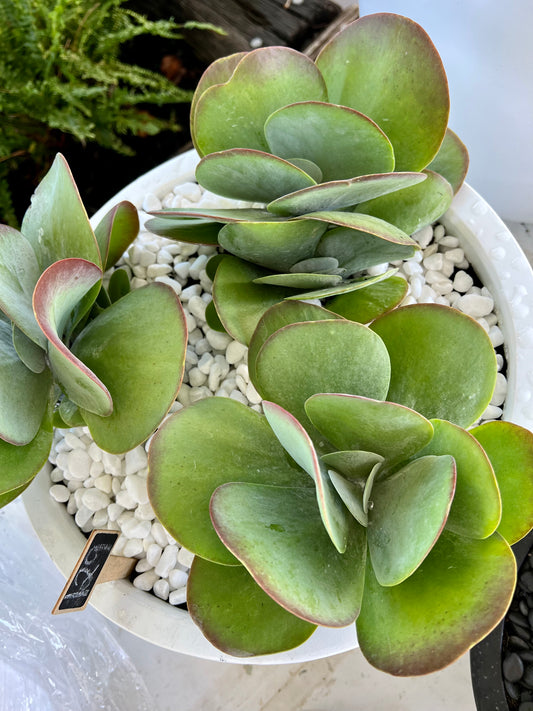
{"points": [[95, 565]]}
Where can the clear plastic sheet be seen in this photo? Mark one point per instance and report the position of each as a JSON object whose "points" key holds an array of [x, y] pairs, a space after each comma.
{"points": [[68, 662]]}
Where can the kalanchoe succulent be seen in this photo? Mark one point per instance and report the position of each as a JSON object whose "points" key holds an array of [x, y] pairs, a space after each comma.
{"points": [[73, 350], [347, 156], [360, 494]]}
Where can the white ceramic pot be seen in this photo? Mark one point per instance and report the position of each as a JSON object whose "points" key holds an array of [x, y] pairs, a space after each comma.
{"points": [[502, 267]]}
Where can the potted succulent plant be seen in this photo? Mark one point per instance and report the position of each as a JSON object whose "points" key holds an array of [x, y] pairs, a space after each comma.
{"points": [[73, 349]]}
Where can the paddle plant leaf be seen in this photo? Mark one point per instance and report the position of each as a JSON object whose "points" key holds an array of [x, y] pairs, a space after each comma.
{"points": [[197, 231], [476, 507], [236, 615], [351, 422], [118, 346], [356, 466], [301, 281], [20, 464], [278, 535], [352, 496], [56, 224], [342, 142], [364, 223], [297, 443], [70, 414], [233, 114], [344, 287], [57, 293], [24, 395], [408, 514], [19, 272], [308, 167], [185, 467], [365, 305], [413, 207], [28, 351], [223, 214], [452, 160], [212, 318], [302, 359], [386, 67], [245, 174], [510, 450], [273, 245], [340, 194], [116, 231], [408, 629], [119, 285], [461, 387]]}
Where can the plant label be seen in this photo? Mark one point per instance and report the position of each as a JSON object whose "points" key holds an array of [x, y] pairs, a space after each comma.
{"points": [[95, 565]]}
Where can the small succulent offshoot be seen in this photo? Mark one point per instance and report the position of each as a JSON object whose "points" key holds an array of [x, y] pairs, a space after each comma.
{"points": [[365, 492], [76, 351], [344, 158]]}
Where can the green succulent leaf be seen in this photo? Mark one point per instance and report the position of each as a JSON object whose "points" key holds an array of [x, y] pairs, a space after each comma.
{"points": [[308, 167], [408, 629], [352, 496], [422, 336], [344, 287], [351, 422], [363, 223], [19, 465], [357, 250], [118, 346], [185, 467], [245, 174], [452, 160], [236, 615], [341, 194], [57, 234], [70, 414], [19, 272], [356, 466], [24, 395], [413, 207], [233, 114], [295, 440], [119, 285], [273, 245], [28, 351], [386, 66], [342, 142], [116, 231], [212, 318], [408, 514], [510, 450], [12, 494], [240, 302], [302, 359], [196, 231], [57, 293], [278, 535], [301, 281], [365, 305], [225, 214], [476, 508]]}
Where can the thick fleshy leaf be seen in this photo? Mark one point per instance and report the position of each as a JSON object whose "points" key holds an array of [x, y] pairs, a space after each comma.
{"points": [[364, 223], [56, 224], [185, 467], [510, 450], [351, 494], [19, 465], [343, 193], [239, 302], [308, 167], [364, 305], [357, 250], [116, 231], [32, 355], [369, 485], [57, 293], [225, 215], [420, 336], [135, 346], [232, 115], [277, 316], [301, 281], [119, 285], [245, 174], [278, 535], [197, 231], [456, 597], [317, 265], [302, 359], [342, 142], [274, 245], [408, 514], [236, 615], [24, 395], [212, 318], [295, 440], [12, 494], [476, 508], [344, 287], [19, 272], [359, 423], [386, 66], [353, 465], [452, 160], [70, 414], [413, 207]]}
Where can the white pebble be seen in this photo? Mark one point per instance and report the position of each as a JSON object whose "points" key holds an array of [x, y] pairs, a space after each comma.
{"points": [[205, 363], [492, 413], [143, 565], [178, 597], [218, 340], [60, 493], [500, 390], [146, 580], [112, 463], [78, 464], [177, 578], [136, 488], [167, 562], [133, 547], [94, 499], [133, 528], [162, 589], [104, 483], [125, 499], [95, 452], [151, 202], [462, 282], [83, 516], [434, 261], [114, 510], [235, 352], [145, 512], [424, 236], [185, 557], [135, 459], [189, 190], [72, 441], [100, 519], [475, 305], [153, 554], [496, 336], [196, 377]]}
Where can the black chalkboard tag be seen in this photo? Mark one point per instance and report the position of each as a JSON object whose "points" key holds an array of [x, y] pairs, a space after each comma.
{"points": [[95, 565]]}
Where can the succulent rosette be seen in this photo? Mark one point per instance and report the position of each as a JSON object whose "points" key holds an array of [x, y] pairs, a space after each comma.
{"points": [[344, 159], [76, 351], [364, 492]]}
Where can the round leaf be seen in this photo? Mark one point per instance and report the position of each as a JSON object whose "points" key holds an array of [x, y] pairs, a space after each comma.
{"points": [[301, 281], [197, 231], [19, 465], [364, 223], [451, 161], [116, 231], [365, 305]]}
